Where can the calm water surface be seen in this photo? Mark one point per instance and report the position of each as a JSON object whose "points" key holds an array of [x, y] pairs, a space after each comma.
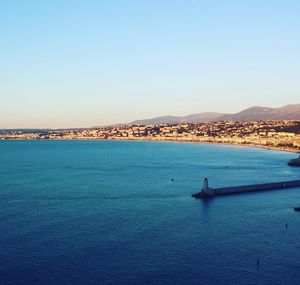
{"points": [[102, 212]]}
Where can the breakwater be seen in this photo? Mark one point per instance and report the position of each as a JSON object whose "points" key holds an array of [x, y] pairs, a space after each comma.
{"points": [[208, 192]]}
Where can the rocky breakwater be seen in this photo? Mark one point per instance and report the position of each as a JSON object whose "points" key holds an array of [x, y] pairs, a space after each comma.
{"points": [[208, 192]]}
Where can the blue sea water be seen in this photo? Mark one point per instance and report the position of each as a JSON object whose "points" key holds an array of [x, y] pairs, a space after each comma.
{"points": [[106, 212]]}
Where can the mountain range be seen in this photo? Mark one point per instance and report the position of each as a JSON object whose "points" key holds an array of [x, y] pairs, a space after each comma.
{"points": [[288, 112]]}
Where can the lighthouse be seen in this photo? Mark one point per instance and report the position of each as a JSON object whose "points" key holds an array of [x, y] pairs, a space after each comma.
{"points": [[206, 190]]}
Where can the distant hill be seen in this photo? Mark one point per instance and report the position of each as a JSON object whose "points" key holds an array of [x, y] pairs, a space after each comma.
{"points": [[288, 112], [195, 118]]}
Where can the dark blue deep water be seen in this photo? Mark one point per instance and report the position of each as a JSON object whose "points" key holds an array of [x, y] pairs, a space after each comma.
{"points": [[103, 212]]}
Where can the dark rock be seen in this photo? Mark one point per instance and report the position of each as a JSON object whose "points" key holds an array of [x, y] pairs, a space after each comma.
{"points": [[294, 162]]}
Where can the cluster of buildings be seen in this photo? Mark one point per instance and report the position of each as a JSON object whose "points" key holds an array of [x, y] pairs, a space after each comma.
{"points": [[280, 134]]}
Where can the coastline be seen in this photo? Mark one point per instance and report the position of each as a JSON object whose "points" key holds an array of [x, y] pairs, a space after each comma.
{"points": [[271, 148], [273, 135]]}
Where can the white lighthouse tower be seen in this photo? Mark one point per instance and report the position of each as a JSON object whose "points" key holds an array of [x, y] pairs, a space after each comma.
{"points": [[206, 190]]}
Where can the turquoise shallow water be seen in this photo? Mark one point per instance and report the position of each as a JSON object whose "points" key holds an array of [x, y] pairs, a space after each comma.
{"points": [[104, 212]]}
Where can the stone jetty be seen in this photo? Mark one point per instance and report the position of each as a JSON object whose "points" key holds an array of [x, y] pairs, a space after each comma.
{"points": [[208, 192]]}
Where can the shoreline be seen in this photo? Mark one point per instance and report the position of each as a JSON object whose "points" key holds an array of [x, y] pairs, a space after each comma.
{"points": [[283, 149]]}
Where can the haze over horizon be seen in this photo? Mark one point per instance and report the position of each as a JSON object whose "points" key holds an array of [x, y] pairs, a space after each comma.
{"points": [[86, 63]]}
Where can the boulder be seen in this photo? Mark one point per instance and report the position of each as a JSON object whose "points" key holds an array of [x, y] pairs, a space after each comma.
{"points": [[294, 162]]}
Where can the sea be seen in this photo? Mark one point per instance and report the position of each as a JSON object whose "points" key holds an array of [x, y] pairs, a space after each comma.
{"points": [[120, 212]]}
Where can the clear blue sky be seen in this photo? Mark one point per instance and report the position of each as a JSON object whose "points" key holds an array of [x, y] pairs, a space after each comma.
{"points": [[81, 63]]}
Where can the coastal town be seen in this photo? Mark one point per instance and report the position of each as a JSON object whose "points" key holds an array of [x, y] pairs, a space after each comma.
{"points": [[273, 134]]}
